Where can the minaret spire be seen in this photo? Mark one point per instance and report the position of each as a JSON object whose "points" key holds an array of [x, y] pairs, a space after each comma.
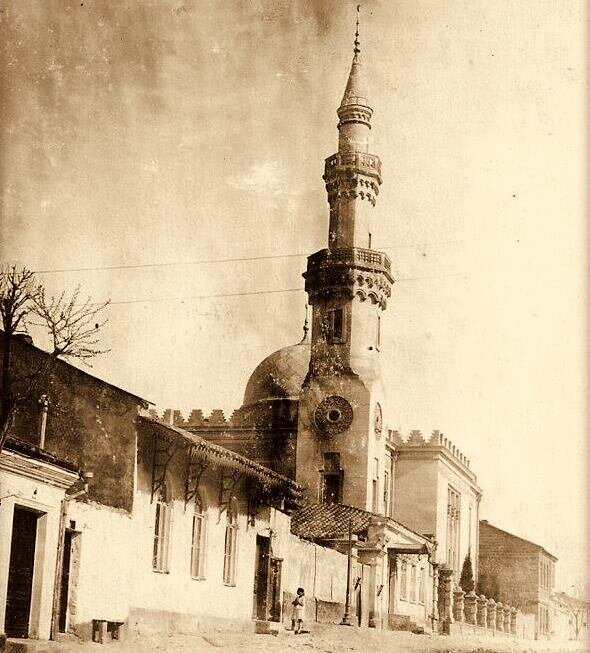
{"points": [[355, 93], [357, 43]]}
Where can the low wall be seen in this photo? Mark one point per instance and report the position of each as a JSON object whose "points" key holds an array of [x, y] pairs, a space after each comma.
{"points": [[315, 610]]}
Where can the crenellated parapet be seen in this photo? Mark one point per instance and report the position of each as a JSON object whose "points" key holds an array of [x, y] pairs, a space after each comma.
{"points": [[436, 439], [196, 418]]}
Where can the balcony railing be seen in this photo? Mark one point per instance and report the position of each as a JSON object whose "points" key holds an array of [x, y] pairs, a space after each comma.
{"points": [[349, 256], [367, 162]]}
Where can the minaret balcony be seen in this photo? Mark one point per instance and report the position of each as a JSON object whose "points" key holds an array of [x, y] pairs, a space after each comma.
{"points": [[368, 164], [351, 271]]}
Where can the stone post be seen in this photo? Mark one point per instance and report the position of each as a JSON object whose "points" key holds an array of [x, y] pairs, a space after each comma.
{"points": [[513, 613], [507, 614], [458, 605], [374, 612], [499, 616], [434, 595], [482, 611], [491, 614], [471, 608], [445, 597]]}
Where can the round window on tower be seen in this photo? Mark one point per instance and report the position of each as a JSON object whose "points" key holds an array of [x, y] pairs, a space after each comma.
{"points": [[333, 415]]}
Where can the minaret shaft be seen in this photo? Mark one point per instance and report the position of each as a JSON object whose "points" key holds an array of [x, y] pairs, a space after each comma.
{"points": [[339, 439], [349, 271]]}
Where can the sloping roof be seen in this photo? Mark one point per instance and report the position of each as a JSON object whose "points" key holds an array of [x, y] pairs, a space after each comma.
{"points": [[16, 445], [19, 341], [487, 524], [226, 458], [329, 521], [321, 521]]}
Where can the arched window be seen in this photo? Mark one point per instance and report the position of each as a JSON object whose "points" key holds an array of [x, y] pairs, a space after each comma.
{"points": [[231, 542], [198, 540], [162, 529]]}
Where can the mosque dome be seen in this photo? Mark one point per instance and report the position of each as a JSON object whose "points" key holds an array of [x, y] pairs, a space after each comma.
{"points": [[280, 375]]}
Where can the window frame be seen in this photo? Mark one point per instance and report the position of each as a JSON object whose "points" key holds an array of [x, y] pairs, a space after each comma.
{"points": [[163, 518], [199, 516], [453, 527], [422, 586], [230, 549], [413, 584], [331, 472], [403, 581], [333, 337]]}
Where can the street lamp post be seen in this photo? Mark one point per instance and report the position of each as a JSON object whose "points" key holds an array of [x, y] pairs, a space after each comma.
{"points": [[347, 618]]}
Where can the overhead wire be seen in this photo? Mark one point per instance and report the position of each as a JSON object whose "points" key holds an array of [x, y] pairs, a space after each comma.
{"points": [[133, 266]]}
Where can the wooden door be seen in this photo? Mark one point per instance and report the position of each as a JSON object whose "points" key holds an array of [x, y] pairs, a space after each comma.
{"points": [[20, 572], [275, 589], [261, 574]]}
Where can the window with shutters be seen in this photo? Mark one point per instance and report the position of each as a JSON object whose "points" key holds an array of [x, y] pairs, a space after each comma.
{"points": [[413, 583]]}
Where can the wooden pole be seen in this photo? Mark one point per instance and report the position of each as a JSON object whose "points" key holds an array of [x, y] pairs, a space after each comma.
{"points": [[347, 619]]}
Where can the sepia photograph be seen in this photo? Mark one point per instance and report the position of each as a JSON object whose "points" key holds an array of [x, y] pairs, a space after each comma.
{"points": [[295, 340]]}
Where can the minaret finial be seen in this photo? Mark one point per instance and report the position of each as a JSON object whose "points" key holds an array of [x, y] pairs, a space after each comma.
{"points": [[305, 325], [357, 43]]}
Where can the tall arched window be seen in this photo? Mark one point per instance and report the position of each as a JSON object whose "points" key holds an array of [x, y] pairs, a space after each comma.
{"points": [[162, 529], [198, 540], [231, 543]]}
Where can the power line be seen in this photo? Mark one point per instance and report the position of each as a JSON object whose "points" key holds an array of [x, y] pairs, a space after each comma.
{"points": [[135, 266], [150, 300]]}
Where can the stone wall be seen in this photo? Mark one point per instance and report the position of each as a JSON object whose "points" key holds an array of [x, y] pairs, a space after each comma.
{"points": [[509, 569], [89, 422]]}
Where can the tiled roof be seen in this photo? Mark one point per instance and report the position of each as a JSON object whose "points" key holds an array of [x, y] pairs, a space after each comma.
{"points": [[227, 458], [321, 521], [329, 521]]}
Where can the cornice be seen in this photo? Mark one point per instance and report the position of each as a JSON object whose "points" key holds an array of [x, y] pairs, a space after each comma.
{"points": [[35, 470], [434, 452]]}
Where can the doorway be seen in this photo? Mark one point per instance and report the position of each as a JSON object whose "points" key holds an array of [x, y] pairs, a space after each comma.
{"points": [[64, 588], [20, 572], [261, 574]]}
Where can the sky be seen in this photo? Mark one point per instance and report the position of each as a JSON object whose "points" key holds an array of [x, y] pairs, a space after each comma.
{"points": [[143, 141]]}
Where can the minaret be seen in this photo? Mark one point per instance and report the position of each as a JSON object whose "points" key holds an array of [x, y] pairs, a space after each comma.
{"points": [[348, 284]]}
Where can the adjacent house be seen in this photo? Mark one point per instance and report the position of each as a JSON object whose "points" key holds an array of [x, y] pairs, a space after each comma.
{"points": [[436, 492], [519, 572]]}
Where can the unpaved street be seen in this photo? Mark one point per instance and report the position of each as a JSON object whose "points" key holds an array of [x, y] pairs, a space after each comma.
{"points": [[323, 639]]}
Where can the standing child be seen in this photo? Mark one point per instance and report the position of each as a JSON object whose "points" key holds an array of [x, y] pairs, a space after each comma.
{"points": [[297, 614]]}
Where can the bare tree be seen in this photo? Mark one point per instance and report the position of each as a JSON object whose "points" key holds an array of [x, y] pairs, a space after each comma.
{"points": [[578, 609], [72, 325]]}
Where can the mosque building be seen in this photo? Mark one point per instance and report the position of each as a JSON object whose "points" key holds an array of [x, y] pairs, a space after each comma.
{"points": [[313, 411]]}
